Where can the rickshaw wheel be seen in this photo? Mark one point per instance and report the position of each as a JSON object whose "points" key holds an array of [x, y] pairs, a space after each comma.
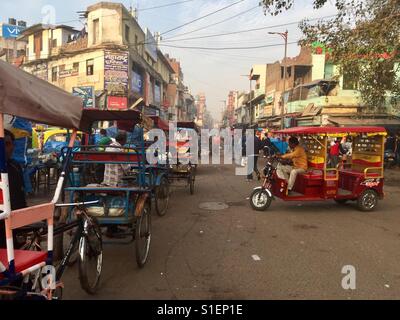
{"points": [[162, 194], [258, 195], [143, 236], [368, 200], [90, 258]]}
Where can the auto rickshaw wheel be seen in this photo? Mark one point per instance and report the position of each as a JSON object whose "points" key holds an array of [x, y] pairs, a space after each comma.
{"points": [[260, 200], [368, 200]]}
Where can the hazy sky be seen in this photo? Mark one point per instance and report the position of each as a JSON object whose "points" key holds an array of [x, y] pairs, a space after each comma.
{"points": [[208, 71]]}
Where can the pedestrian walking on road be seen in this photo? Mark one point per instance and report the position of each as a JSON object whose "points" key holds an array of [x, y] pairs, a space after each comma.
{"points": [[252, 159]]}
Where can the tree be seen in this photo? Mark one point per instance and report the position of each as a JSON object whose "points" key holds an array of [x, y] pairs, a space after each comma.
{"points": [[363, 41]]}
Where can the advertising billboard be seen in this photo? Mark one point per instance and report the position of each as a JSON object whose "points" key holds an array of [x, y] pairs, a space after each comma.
{"points": [[87, 95], [137, 82], [116, 71], [157, 94], [11, 31]]}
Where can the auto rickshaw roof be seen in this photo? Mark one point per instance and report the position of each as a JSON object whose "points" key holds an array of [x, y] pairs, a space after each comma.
{"points": [[128, 117], [26, 96], [331, 130]]}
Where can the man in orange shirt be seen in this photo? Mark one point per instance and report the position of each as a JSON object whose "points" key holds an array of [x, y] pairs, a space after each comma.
{"points": [[300, 163]]}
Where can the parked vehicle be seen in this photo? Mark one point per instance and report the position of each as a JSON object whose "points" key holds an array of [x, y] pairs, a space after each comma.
{"points": [[28, 97], [360, 181]]}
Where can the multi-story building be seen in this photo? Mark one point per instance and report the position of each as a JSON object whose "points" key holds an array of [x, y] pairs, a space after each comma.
{"points": [[311, 93], [181, 102], [113, 64], [11, 49], [201, 106]]}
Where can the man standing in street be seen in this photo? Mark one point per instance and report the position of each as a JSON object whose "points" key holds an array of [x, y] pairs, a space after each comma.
{"points": [[253, 159]]}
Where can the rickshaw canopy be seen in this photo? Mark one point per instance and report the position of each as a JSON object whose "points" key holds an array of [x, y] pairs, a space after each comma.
{"points": [[332, 131], [26, 96], [187, 125], [125, 118], [160, 123]]}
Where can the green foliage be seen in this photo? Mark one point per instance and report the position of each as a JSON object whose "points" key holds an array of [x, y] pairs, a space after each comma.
{"points": [[363, 40]]}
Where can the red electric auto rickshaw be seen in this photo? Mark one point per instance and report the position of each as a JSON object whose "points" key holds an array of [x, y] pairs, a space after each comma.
{"points": [[360, 179]]}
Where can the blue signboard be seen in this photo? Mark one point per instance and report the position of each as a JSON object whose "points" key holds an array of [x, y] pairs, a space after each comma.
{"points": [[10, 31], [87, 95], [157, 93], [137, 82]]}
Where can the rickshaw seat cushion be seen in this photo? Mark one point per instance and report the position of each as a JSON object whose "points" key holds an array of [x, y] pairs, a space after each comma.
{"points": [[312, 175], [23, 259]]}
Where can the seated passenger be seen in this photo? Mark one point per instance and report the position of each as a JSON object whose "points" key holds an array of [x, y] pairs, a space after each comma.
{"points": [[298, 157], [113, 173]]}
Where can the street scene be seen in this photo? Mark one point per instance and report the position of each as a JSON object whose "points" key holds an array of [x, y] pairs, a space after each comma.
{"points": [[200, 150]]}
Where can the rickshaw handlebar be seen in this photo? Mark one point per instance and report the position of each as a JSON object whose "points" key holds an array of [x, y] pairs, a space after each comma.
{"points": [[62, 205]]}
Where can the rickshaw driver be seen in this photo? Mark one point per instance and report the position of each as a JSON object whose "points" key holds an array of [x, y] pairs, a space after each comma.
{"points": [[300, 163]]}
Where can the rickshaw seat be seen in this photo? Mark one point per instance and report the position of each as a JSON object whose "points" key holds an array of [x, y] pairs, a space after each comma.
{"points": [[23, 259], [357, 174]]}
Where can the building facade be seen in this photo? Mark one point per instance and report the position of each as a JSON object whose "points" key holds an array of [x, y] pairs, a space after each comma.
{"points": [[113, 64]]}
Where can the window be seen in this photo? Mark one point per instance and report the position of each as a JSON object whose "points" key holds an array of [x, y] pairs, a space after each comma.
{"points": [[136, 41], [54, 43], [62, 68], [96, 31], [75, 67], [127, 31], [89, 67], [54, 74]]}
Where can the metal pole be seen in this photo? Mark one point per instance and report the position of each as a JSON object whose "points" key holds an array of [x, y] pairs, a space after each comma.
{"points": [[251, 110], [285, 36]]}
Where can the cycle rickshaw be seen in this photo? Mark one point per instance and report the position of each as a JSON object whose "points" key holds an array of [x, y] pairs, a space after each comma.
{"points": [[127, 205], [361, 180], [30, 274], [183, 170]]}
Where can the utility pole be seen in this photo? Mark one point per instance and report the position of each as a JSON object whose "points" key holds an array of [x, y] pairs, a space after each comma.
{"points": [[284, 35], [251, 110]]}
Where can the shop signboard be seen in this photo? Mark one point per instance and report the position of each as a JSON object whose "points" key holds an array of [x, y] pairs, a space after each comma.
{"points": [[117, 103]]}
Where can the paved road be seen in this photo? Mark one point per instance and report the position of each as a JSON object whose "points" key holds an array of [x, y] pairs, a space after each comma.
{"points": [[202, 254]]}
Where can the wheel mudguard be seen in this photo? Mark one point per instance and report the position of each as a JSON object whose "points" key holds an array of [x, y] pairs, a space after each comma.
{"points": [[266, 190], [140, 204]]}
